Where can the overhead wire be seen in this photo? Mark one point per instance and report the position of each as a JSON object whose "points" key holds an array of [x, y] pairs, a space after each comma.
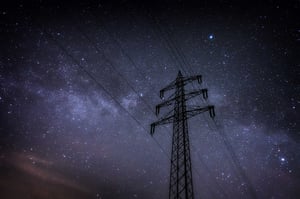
{"points": [[158, 31], [113, 67], [137, 68], [99, 84], [112, 36], [177, 50], [90, 75], [123, 77], [111, 64], [176, 55], [173, 55], [131, 60], [237, 162], [215, 181], [105, 90], [170, 46], [225, 140], [179, 56]]}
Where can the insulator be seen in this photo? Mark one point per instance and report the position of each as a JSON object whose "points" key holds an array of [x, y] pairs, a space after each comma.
{"points": [[152, 129], [199, 78], [212, 111], [161, 93], [205, 95], [157, 110]]}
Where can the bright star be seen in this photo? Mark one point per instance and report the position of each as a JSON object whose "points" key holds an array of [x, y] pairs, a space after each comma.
{"points": [[211, 36]]}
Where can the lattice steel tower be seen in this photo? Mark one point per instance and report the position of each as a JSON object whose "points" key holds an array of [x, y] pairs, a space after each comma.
{"points": [[181, 181]]}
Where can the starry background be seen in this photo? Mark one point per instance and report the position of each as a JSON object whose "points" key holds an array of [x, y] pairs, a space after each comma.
{"points": [[79, 84]]}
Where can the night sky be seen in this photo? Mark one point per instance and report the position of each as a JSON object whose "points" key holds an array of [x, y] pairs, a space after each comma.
{"points": [[79, 84]]}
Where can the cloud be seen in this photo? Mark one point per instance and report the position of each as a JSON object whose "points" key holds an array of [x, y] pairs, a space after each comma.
{"points": [[30, 176]]}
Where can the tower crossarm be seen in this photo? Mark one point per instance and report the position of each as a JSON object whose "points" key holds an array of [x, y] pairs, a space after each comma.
{"points": [[196, 111], [171, 86], [196, 93], [183, 81], [181, 180], [187, 97], [193, 78], [161, 121]]}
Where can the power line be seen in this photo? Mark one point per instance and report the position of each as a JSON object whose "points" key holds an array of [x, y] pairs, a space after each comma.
{"points": [[160, 33], [114, 67], [98, 50], [237, 163], [123, 51], [181, 180], [62, 48], [131, 60], [225, 139], [177, 57], [235, 159], [210, 174], [112, 36], [164, 127], [180, 56], [93, 77], [170, 46]]}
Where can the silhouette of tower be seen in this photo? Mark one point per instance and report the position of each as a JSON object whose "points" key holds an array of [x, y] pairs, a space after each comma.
{"points": [[181, 180]]}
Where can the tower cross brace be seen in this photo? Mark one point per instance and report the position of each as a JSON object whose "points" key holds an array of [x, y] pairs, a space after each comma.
{"points": [[181, 180]]}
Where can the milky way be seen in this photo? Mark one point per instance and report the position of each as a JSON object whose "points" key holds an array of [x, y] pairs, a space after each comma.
{"points": [[79, 85]]}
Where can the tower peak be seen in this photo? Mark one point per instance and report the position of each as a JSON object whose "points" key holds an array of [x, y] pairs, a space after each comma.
{"points": [[179, 74]]}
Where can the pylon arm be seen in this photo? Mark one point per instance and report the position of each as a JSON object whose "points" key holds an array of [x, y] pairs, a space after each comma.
{"points": [[181, 179], [185, 80], [171, 86], [196, 93], [193, 78], [165, 103], [161, 121], [187, 97], [196, 111]]}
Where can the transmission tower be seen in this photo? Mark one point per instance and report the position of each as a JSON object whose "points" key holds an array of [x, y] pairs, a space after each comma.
{"points": [[181, 181]]}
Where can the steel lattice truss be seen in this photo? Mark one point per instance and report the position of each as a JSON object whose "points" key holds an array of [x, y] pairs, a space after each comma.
{"points": [[181, 180]]}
